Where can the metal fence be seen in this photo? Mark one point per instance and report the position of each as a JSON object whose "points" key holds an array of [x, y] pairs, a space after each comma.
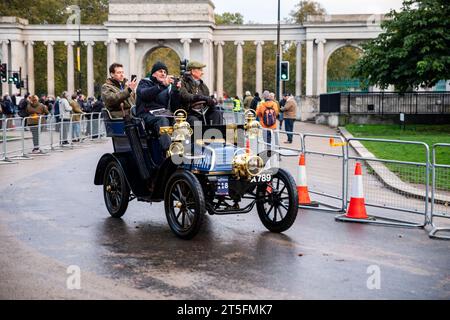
{"points": [[327, 163], [386, 187], [384, 103], [22, 141], [440, 198], [401, 193]]}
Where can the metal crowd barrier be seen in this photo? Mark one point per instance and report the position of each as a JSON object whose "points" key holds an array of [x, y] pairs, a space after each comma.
{"points": [[384, 189], [325, 163], [4, 158], [390, 186], [230, 117], [440, 196], [49, 133], [326, 197]]}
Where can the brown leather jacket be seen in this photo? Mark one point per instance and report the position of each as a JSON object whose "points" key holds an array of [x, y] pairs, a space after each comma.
{"points": [[116, 95], [34, 111]]}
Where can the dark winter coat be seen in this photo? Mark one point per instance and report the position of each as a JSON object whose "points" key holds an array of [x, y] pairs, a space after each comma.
{"points": [[153, 95]]}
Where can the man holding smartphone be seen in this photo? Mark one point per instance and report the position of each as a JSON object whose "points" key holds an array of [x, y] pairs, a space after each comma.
{"points": [[118, 93], [156, 93]]}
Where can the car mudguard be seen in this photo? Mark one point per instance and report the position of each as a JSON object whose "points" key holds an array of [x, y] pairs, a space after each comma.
{"points": [[126, 162]]}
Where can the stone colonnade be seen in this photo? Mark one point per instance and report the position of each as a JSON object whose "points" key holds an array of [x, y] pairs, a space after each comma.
{"points": [[315, 63]]}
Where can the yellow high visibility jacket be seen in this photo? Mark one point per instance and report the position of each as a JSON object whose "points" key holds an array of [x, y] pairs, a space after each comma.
{"points": [[237, 105]]}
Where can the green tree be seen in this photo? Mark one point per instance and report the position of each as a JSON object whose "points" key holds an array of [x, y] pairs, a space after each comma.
{"points": [[304, 9], [166, 55], [229, 18], [54, 12], [413, 50], [341, 62]]}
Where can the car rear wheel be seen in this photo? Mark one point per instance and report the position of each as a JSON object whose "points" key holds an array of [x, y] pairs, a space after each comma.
{"points": [[184, 204], [115, 190]]}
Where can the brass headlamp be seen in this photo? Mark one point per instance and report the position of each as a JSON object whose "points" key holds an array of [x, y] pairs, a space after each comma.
{"points": [[180, 132], [251, 125], [181, 129], [246, 166]]}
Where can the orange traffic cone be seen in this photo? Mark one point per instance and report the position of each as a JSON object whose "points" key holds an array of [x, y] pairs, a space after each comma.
{"points": [[302, 186], [357, 207]]}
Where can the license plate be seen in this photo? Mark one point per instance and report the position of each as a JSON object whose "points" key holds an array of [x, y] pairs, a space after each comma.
{"points": [[222, 186], [266, 177]]}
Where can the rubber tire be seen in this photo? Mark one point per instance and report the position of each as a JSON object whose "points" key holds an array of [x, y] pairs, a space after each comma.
{"points": [[291, 215], [200, 208], [125, 190]]}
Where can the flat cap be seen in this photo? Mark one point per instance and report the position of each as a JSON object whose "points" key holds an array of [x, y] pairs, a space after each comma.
{"points": [[195, 65]]}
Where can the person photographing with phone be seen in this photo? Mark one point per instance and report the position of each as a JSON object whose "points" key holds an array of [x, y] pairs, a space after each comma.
{"points": [[158, 94], [118, 94]]}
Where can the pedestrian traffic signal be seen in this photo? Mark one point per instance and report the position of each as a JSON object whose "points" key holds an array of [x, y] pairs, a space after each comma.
{"points": [[4, 72], [284, 74], [183, 66]]}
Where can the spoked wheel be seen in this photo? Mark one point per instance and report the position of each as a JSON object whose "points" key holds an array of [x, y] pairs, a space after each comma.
{"points": [[115, 190], [277, 202], [185, 204]]}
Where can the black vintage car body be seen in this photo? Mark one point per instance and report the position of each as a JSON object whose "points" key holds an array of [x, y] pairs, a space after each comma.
{"points": [[198, 175]]}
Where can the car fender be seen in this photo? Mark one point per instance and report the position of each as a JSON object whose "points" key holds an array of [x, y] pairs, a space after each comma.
{"points": [[101, 167]]}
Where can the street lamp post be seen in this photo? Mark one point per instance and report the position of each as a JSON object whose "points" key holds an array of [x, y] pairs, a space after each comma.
{"points": [[79, 52], [75, 18], [278, 54]]}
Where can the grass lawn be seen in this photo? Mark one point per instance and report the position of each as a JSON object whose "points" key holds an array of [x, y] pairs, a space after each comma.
{"points": [[430, 134]]}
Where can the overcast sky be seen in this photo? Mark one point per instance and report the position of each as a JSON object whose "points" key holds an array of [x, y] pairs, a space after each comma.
{"points": [[265, 11]]}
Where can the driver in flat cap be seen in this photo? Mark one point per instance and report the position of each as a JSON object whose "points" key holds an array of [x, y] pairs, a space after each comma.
{"points": [[195, 96]]}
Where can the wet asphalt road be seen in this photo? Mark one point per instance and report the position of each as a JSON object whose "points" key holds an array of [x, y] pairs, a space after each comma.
{"points": [[52, 216]]}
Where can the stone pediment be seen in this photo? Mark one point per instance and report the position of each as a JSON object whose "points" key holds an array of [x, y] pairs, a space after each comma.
{"points": [[157, 11]]}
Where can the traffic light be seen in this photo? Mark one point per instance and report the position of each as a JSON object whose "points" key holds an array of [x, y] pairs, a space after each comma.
{"points": [[20, 84], [16, 78], [4, 72], [183, 66], [284, 72]]}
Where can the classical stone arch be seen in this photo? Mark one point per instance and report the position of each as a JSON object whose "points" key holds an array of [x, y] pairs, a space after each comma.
{"points": [[338, 46], [147, 52], [331, 50]]}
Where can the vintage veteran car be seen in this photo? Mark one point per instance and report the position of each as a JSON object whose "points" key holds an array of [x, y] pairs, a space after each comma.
{"points": [[202, 172]]}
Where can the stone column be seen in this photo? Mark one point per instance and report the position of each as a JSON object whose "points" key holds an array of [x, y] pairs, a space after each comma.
{"points": [[320, 66], [219, 84], [206, 60], [17, 61], [111, 53], [211, 67], [309, 67], [90, 68], [50, 68], [132, 56], [259, 66], [70, 67], [186, 48], [298, 69], [239, 65], [5, 59], [30, 66]]}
